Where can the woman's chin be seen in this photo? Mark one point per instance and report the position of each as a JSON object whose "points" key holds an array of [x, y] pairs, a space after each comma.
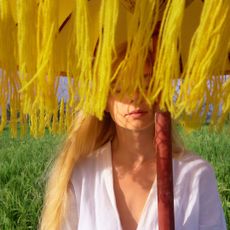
{"points": [[137, 125]]}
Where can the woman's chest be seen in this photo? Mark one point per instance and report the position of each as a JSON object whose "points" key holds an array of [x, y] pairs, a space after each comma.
{"points": [[131, 195], [130, 201]]}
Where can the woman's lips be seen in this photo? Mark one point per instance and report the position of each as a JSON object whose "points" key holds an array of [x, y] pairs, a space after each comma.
{"points": [[136, 113]]}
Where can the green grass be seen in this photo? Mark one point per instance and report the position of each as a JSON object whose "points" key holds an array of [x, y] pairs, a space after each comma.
{"points": [[23, 163], [22, 178]]}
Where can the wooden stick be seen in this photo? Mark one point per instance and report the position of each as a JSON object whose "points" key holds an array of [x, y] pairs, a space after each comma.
{"points": [[163, 147]]}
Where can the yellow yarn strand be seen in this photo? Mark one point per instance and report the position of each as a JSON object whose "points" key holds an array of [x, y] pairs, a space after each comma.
{"points": [[167, 69], [54, 127], [27, 48], [207, 59], [9, 81], [61, 127], [84, 57], [68, 116], [103, 60], [23, 123], [13, 116], [139, 36]]}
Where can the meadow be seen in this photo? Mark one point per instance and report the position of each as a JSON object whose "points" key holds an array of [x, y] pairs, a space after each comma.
{"points": [[24, 164]]}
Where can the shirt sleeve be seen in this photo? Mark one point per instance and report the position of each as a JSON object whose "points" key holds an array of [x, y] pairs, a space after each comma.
{"points": [[211, 212], [70, 221]]}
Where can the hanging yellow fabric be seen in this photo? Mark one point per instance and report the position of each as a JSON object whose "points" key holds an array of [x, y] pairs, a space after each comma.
{"points": [[203, 84], [139, 34], [41, 40], [167, 67], [9, 79]]}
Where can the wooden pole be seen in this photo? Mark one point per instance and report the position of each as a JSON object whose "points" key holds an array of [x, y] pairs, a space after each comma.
{"points": [[163, 147]]}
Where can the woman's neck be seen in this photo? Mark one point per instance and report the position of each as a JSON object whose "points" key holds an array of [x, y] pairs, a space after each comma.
{"points": [[133, 147]]}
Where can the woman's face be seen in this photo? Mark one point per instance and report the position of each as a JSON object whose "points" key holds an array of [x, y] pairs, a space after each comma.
{"points": [[130, 112]]}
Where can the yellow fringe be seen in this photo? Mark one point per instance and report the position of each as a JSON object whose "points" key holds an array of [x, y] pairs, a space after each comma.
{"points": [[167, 67], [98, 86], [27, 48], [9, 81], [206, 61], [129, 75], [83, 69], [61, 127], [35, 49], [54, 128], [23, 123]]}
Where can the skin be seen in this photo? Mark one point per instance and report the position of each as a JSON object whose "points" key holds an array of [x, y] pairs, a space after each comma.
{"points": [[133, 156]]}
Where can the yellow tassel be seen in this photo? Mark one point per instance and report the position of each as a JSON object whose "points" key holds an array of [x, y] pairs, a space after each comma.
{"points": [[47, 55], [48, 117], [3, 99], [27, 46], [9, 81], [13, 117], [61, 127], [93, 91], [41, 118], [83, 69], [140, 30], [54, 129], [23, 123], [68, 116], [207, 59], [166, 69], [3, 110], [34, 120], [35, 49]]}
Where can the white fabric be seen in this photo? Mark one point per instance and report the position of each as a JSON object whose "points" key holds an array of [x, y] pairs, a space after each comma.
{"points": [[92, 206]]}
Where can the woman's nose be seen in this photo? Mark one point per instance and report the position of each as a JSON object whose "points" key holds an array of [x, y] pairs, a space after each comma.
{"points": [[135, 97]]}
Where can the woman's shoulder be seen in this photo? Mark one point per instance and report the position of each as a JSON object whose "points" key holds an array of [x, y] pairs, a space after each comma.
{"points": [[192, 160], [195, 188], [192, 167], [91, 164]]}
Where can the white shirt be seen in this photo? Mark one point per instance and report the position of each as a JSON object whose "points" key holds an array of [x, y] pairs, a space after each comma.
{"points": [[92, 203]]}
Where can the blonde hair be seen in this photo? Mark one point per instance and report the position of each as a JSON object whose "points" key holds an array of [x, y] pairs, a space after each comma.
{"points": [[87, 134]]}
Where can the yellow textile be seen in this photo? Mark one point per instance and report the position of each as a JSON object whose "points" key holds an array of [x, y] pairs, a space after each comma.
{"points": [[42, 40]]}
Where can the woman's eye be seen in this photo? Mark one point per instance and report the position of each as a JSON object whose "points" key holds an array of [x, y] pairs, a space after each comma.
{"points": [[117, 91], [146, 86]]}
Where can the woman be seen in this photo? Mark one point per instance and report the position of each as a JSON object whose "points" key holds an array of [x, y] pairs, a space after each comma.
{"points": [[105, 177]]}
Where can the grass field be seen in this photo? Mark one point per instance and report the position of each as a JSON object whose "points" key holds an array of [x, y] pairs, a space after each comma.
{"points": [[23, 163]]}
